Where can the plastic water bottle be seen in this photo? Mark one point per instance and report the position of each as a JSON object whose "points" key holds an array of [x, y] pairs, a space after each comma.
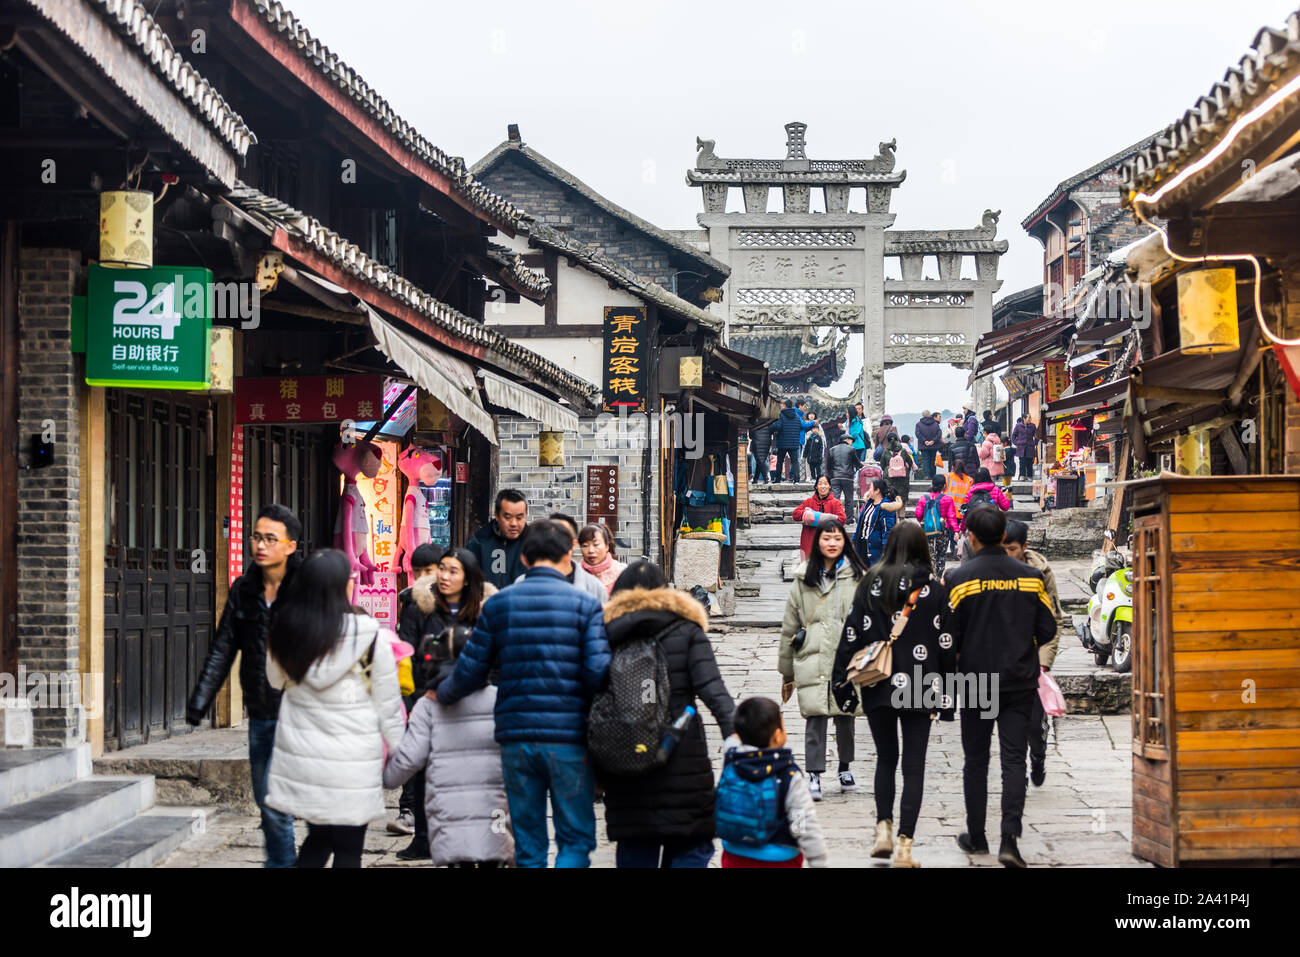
{"points": [[675, 732]]}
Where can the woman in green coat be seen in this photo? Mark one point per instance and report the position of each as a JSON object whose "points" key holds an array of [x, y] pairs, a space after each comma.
{"points": [[820, 599]]}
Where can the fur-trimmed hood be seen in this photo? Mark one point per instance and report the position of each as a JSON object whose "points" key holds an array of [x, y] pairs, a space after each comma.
{"points": [[638, 612], [424, 589]]}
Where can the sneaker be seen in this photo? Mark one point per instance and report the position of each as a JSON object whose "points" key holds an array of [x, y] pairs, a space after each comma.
{"points": [[1009, 854], [847, 783], [1037, 770], [403, 824], [417, 850], [815, 786], [972, 845]]}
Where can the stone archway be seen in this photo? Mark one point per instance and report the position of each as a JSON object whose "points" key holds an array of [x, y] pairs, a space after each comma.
{"points": [[794, 269]]}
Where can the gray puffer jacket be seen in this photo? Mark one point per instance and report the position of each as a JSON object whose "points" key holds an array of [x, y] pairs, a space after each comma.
{"points": [[464, 792]]}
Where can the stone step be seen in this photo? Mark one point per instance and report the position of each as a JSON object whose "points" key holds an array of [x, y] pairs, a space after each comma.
{"points": [[141, 842], [59, 820], [25, 774]]}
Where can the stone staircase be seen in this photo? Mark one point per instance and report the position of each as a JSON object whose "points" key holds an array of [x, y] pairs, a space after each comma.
{"points": [[54, 812]]}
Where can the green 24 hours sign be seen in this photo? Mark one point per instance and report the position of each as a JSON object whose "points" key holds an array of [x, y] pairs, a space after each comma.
{"points": [[148, 328]]}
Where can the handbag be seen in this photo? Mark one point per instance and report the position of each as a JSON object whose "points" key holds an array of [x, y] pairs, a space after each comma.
{"points": [[1049, 693], [875, 662]]}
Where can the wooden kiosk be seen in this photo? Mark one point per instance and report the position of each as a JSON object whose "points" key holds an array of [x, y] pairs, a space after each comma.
{"points": [[1216, 669]]}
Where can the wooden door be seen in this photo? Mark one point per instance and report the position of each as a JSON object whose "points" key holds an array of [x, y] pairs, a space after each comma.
{"points": [[159, 580]]}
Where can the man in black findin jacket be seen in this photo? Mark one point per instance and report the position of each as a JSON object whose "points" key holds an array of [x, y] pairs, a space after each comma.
{"points": [[245, 623], [999, 614]]}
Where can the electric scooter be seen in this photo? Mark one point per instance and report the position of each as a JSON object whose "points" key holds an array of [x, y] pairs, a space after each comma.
{"points": [[1108, 629]]}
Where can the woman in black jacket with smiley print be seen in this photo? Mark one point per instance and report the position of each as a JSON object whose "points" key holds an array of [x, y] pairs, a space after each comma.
{"points": [[919, 688]]}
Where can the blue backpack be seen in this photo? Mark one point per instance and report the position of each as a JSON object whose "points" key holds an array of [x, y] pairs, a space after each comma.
{"points": [[748, 813], [933, 515]]}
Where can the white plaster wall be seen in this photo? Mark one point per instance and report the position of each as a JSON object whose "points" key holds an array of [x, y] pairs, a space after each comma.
{"points": [[583, 296]]}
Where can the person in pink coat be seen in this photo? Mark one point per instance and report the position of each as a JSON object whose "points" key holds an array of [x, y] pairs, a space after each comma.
{"points": [[939, 541], [820, 503], [989, 453]]}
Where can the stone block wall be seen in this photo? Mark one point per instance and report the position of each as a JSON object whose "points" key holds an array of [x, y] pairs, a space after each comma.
{"points": [[573, 214], [48, 523], [564, 489]]}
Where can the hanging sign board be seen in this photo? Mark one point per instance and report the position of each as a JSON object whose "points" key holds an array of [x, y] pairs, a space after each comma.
{"points": [[624, 359], [308, 399], [383, 498], [148, 328], [1055, 379]]}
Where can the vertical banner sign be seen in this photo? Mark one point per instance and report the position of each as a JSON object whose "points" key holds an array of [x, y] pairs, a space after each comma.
{"points": [[1055, 379], [1064, 441], [602, 495], [623, 376], [462, 473], [235, 560], [383, 497]]}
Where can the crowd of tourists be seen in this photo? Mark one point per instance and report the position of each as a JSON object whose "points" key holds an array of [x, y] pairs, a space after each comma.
{"points": [[517, 680]]}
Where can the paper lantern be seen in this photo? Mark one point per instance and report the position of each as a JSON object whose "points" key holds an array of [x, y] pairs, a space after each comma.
{"points": [[1207, 311], [1192, 453], [221, 360], [126, 228], [690, 372], [550, 449]]}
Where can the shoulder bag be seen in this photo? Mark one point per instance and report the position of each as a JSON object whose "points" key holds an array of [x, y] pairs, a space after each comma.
{"points": [[875, 662]]}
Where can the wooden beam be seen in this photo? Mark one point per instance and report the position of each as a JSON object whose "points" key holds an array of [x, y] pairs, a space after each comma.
{"points": [[1117, 502], [1186, 396], [1263, 229], [316, 312]]}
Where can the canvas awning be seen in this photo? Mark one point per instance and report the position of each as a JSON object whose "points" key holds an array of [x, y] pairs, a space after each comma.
{"points": [[448, 379], [517, 398]]}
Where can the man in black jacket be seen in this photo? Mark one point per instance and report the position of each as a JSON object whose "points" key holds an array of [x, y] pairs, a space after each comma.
{"points": [[843, 470], [929, 436], [999, 614], [245, 623], [497, 544]]}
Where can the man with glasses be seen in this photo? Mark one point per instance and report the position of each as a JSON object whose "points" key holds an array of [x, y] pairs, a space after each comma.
{"points": [[245, 623]]}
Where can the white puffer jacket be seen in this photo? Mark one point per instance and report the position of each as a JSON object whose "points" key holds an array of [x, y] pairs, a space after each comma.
{"points": [[327, 764]]}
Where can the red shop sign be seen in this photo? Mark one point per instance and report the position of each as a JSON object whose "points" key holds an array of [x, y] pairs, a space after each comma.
{"points": [[309, 399], [462, 473]]}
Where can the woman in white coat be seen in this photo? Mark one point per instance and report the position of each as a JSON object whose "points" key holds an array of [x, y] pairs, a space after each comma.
{"points": [[341, 705]]}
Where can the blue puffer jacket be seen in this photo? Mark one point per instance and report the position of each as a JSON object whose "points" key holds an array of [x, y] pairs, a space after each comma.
{"points": [[874, 526], [548, 638], [790, 429]]}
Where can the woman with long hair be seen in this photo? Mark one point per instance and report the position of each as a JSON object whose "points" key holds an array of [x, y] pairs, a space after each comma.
{"points": [[819, 600], [901, 587], [341, 705], [665, 818], [880, 510]]}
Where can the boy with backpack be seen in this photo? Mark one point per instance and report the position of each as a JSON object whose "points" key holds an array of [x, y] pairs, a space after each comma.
{"points": [[764, 811], [937, 514]]}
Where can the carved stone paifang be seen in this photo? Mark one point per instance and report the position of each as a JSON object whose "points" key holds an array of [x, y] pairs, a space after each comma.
{"points": [[949, 265], [756, 195], [878, 199], [715, 197], [796, 198], [837, 198]]}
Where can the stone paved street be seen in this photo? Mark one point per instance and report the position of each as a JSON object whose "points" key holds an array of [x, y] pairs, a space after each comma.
{"points": [[1079, 818]]}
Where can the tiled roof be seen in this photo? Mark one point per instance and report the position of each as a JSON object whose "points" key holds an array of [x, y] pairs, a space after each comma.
{"points": [[327, 63], [563, 176], [1273, 61], [349, 257], [788, 353], [525, 277], [132, 20], [1097, 168], [617, 273]]}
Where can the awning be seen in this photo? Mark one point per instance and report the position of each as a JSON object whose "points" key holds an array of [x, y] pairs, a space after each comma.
{"points": [[526, 402], [442, 375]]}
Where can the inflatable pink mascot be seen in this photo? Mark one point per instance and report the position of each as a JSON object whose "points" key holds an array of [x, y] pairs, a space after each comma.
{"points": [[351, 530], [422, 467]]}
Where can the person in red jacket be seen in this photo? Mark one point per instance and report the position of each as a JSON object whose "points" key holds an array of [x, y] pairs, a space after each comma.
{"points": [[820, 503]]}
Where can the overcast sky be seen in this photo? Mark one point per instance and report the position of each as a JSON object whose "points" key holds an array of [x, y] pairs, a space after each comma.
{"points": [[992, 104]]}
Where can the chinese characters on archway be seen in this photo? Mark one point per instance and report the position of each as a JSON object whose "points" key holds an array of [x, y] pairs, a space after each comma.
{"points": [[624, 362]]}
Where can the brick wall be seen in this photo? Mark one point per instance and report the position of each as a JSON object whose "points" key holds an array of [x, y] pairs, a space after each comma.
{"points": [[49, 513], [580, 218], [564, 489]]}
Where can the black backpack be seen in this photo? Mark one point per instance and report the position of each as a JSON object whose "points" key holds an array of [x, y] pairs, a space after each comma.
{"points": [[980, 497], [629, 717]]}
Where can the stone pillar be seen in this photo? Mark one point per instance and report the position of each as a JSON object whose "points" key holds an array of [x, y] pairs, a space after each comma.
{"points": [[984, 394], [48, 523]]}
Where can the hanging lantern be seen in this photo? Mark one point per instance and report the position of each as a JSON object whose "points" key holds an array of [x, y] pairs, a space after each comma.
{"points": [[690, 372], [126, 228], [1207, 311], [221, 360], [1192, 453], [550, 449]]}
